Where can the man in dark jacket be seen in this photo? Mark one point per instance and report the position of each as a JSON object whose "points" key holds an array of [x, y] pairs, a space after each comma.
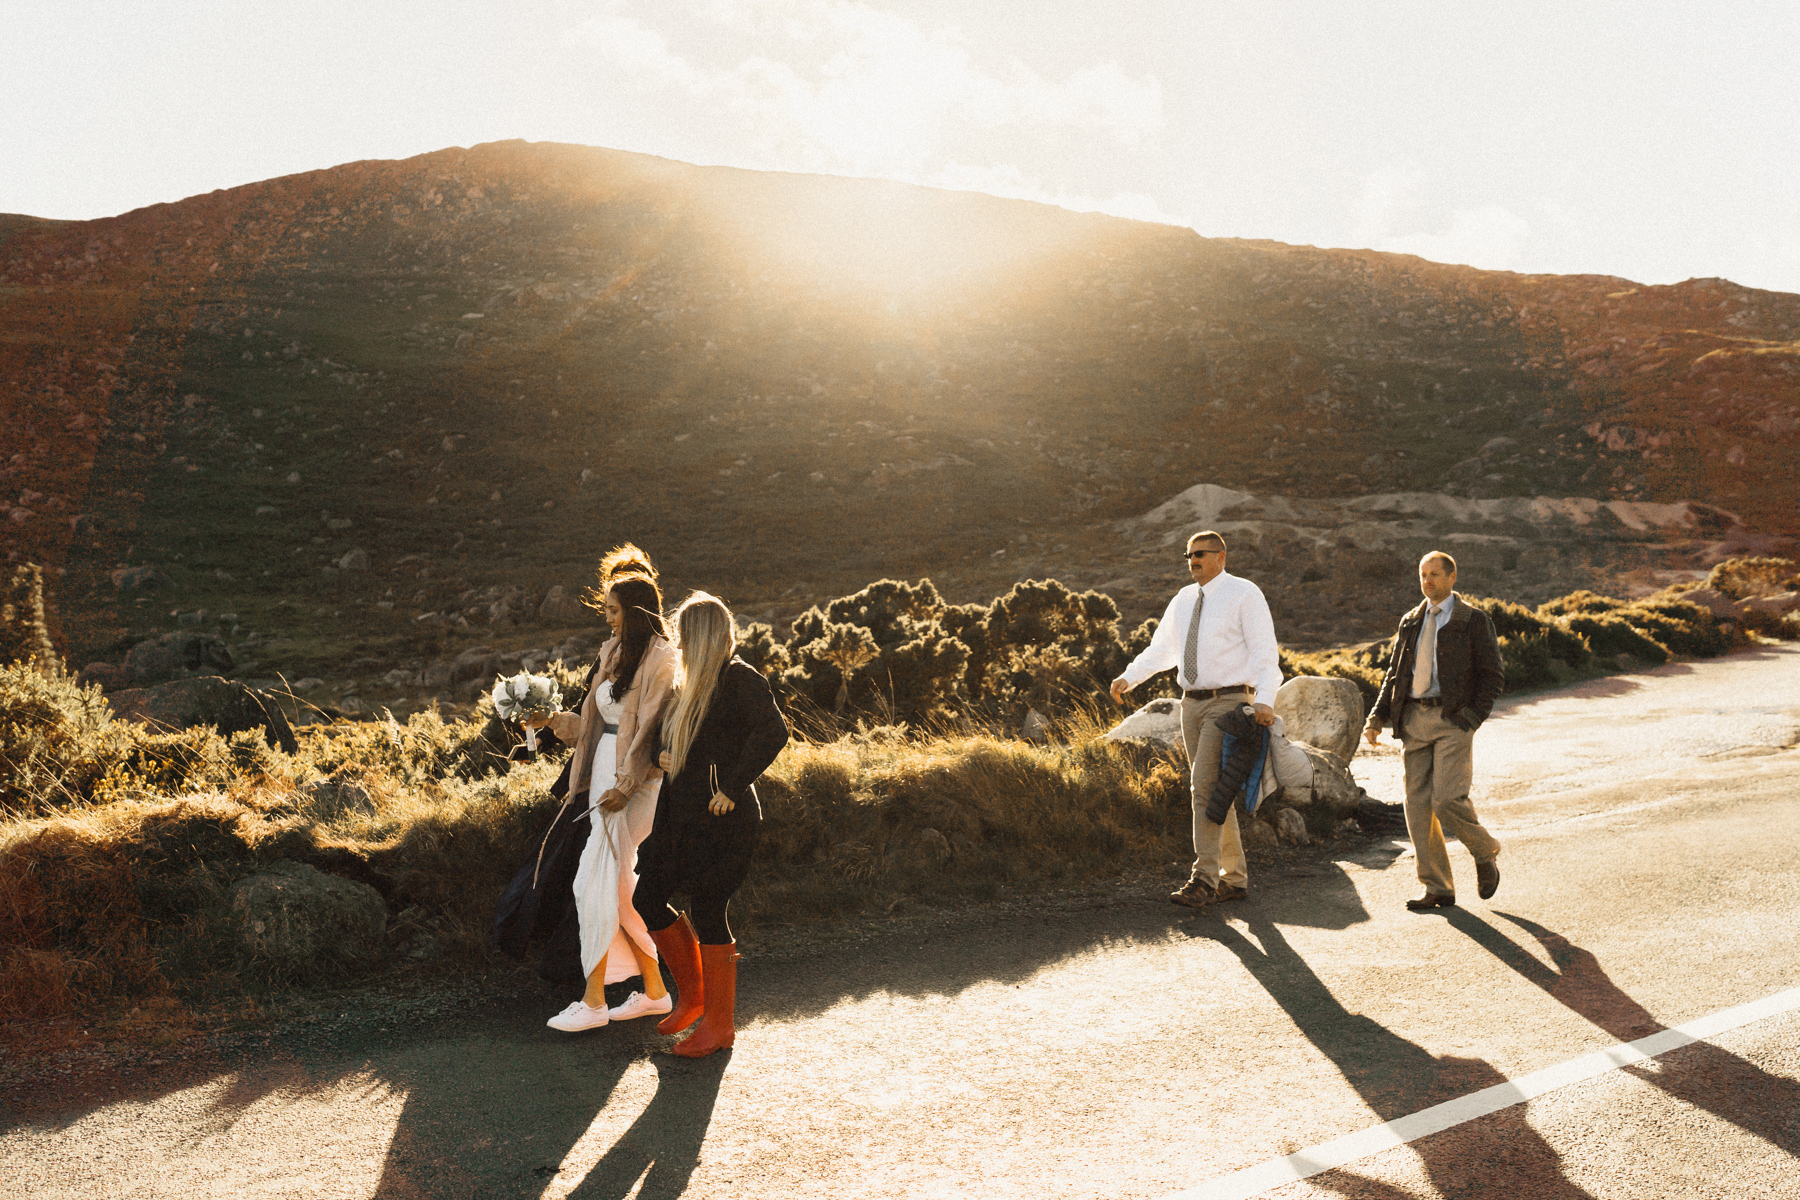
{"points": [[1442, 679]]}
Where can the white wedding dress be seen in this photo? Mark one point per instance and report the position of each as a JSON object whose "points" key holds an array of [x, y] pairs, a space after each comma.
{"points": [[607, 873]]}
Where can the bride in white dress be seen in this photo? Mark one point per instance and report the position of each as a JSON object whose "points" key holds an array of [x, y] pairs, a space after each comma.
{"points": [[615, 779]]}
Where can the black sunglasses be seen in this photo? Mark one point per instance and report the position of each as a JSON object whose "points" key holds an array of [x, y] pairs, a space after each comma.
{"points": [[1202, 553]]}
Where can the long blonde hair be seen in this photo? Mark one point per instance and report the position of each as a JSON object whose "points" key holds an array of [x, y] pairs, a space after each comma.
{"points": [[706, 636]]}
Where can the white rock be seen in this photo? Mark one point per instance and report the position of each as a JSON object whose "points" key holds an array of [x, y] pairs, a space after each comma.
{"points": [[1322, 712], [1159, 720]]}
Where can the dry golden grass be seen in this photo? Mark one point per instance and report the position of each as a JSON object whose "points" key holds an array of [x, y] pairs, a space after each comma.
{"points": [[119, 848]]}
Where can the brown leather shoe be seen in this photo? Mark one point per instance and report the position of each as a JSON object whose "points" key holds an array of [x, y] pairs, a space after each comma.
{"points": [[1431, 900], [1231, 891], [1487, 878], [1195, 893]]}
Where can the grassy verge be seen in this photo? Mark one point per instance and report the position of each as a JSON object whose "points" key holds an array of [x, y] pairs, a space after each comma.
{"points": [[119, 848]]}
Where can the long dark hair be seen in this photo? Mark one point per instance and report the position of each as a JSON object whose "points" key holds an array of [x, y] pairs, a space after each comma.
{"points": [[641, 599]]}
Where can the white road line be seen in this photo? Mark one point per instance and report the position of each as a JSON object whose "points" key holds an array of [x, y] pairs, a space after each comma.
{"points": [[1328, 1156]]}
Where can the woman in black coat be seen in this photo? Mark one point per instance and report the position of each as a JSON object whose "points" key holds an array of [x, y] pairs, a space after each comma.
{"points": [[720, 731]]}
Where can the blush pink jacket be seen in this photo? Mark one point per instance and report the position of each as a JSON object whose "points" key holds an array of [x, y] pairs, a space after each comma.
{"points": [[644, 701]]}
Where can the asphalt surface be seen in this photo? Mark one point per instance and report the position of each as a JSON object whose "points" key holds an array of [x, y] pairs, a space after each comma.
{"points": [[1109, 1044]]}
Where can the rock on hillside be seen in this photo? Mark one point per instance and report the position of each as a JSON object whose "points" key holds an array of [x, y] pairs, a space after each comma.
{"points": [[478, 367], [1360, 553]]}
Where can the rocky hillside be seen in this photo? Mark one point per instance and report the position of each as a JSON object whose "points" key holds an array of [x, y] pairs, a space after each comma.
{"points": [[336, 403]]}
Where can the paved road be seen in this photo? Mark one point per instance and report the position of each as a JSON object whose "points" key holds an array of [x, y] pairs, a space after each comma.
{"points": [[1113, 1045]]}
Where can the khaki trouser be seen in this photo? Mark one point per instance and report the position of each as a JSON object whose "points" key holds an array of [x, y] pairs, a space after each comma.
{"points": [[1218, 851], [1439, 768]]}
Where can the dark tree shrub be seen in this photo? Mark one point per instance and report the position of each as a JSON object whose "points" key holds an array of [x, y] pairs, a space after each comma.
{"points": [[1611, 635]]}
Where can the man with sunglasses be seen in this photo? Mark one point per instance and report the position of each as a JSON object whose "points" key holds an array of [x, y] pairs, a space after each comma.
{"points": [[1219, 636]]}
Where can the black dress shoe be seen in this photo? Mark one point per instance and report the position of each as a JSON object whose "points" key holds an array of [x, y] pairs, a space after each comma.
{"points": [[1431, 900], [1487, 878]]}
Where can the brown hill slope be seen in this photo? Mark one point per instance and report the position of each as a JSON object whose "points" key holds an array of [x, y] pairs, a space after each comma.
{"points": [[481, 366]]}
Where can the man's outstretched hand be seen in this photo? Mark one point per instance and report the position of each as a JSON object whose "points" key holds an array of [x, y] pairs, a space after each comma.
{"points": [[1119, 688]]}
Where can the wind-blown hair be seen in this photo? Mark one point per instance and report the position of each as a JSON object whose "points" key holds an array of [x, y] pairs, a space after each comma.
{"points": [[641, 599], [617, 563], [707, 637]]}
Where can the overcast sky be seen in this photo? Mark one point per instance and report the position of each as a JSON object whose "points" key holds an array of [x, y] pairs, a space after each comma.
{"points": [[1655, 141]]}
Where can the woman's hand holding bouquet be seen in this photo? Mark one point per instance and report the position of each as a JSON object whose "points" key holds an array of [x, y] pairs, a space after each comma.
{"points": [[534, 701]]}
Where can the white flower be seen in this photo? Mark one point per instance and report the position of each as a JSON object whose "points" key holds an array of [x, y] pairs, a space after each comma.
{"points": [[526, 695]]}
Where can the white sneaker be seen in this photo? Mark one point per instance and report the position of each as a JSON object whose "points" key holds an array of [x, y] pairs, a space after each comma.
{"points": [[577, 1017], [637, 1005]]}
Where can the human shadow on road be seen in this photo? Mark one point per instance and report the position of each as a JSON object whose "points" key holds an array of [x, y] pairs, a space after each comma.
{"points": [[662, 1147], [496, 1113], [1501, 1154], [1703, 1075]]}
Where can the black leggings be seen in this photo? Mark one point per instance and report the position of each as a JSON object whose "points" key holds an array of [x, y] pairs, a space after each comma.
{"points": [[708, 861]]}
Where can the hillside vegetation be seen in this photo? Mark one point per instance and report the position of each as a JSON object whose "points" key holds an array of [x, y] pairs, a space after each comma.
{"points": [[334, 403], [120, 847]]}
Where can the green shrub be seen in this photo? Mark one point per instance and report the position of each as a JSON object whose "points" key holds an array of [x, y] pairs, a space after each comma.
{"points": [[57, 740], [1529, 661], [1612, 635], [1579, 602], [1336, 664], [1561, 641], [1747, 578], [1682, 626]]}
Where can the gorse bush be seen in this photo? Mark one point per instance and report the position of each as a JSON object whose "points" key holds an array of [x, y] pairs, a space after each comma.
{"points": [[1747, 578], [896, 650]]}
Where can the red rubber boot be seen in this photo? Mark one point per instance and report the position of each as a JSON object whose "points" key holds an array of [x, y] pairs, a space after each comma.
{"points": [[715, 1030], [681, 950]]}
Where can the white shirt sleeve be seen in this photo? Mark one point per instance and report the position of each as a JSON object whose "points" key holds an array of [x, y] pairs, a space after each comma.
{"points": [[1164, 650], [1260, 644]]}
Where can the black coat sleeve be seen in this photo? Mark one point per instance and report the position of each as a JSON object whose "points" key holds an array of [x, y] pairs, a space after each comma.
{"points": [[1383, 711], [1487, 674], [763, 729]]}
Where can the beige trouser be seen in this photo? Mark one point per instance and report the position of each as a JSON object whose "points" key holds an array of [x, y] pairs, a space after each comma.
{"points": [[1217, 848], [1439, 768]]}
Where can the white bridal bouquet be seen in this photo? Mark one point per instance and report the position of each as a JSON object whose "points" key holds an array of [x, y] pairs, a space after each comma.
{"points": [[526, 695]]}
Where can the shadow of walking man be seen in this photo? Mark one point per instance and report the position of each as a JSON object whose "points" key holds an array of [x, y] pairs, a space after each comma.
{"points": [[1500, 1154], [1703, 1075], [662, 1147]]}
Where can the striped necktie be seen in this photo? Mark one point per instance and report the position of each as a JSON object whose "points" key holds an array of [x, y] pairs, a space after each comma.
{"points": [[1190, 654]]}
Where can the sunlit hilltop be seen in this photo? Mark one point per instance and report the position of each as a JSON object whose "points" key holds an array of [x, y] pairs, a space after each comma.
{"points": [[481, 366]]}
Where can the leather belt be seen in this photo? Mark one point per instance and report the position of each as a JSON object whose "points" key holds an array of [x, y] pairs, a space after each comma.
{"points": [[606, 729], [1426, 701], [1236, 689]]}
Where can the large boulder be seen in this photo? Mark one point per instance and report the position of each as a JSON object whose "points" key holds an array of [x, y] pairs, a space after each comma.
{"points": [[1777, 606], [225, 704], [1333, 788], [562, 607], [1722, 607], [174, 655], [1157, 721], [290, 917], [477, 662], [1322, 712], [138, 579], [109, 676]]}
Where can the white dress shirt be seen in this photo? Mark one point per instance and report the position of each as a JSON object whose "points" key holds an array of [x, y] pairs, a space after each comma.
{"points": [[1442, 617], [1237, 640]]}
